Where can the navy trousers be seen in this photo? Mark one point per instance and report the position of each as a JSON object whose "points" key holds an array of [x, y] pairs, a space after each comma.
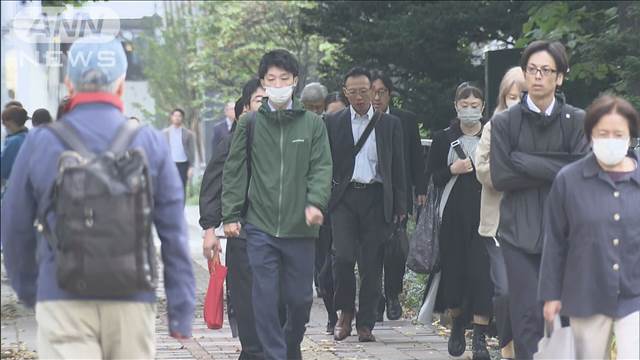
{"points": [[281, 267]]}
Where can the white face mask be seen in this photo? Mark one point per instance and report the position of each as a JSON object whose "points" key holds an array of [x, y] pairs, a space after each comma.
{"points": [[469, 116], [510, 103], [610, 151], [280, 95]]}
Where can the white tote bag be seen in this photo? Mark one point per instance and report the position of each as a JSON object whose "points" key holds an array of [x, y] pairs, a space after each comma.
{"points": [[557, 343]]}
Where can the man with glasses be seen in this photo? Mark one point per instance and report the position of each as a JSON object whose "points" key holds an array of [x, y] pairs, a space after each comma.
{"points": [[530, 143], [395, 256], [368, 197]]}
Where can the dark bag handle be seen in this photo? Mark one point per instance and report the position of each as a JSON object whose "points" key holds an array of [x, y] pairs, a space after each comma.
{"points": [[69, 137], [363, 139], [125, 135]]}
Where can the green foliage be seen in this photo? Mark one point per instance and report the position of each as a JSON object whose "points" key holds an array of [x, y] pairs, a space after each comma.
{"points": [[427, 47], [603, 40]]}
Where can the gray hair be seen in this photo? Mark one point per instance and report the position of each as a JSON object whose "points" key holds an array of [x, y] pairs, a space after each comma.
{"points": [[92, 81], [313, 92]]}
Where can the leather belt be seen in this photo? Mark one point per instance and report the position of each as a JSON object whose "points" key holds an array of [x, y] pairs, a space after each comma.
{"points": [[361, 186]]}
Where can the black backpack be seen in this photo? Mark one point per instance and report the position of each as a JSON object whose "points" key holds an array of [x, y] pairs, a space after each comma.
{"points": [[103, 204]]}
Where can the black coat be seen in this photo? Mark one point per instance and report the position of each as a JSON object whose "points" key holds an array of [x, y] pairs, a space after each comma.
{"points": [[391, 166], [211, 188], [413, 154]]}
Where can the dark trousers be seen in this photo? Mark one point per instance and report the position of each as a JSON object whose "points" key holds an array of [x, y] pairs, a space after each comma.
{"points": [[280, 266], [359, 233], [325, 270], [526, 311], [183, 170], [500, 291], [239, 282]]}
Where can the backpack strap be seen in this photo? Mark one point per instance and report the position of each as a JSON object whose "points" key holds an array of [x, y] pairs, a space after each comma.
{"points": [[69, 137], [125, 135], [455, 143], [251, 123]]}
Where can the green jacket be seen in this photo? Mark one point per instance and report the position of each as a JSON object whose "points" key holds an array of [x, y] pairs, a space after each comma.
{"points": [[290, 169]]}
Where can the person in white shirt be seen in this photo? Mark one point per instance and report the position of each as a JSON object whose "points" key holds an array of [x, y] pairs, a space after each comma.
{"points": [[182, 146]]}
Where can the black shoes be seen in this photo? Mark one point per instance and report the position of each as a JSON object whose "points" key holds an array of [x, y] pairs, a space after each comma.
{"points": [[331, 327], [479, 343], [394, 309], [457, 343]]}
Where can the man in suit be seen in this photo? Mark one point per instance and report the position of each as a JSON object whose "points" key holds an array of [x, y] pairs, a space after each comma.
{"points": [[222, 129], [368, 197], [182, 145], [395, 252]]}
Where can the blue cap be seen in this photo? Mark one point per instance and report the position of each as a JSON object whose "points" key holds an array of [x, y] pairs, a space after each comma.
{"points": [[100, 55]]}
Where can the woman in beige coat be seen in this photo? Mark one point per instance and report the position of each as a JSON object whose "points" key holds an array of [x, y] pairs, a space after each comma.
{"points": [[510, 93]]}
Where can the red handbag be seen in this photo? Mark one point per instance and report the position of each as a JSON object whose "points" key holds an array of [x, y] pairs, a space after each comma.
{"points": [[214, 299]]}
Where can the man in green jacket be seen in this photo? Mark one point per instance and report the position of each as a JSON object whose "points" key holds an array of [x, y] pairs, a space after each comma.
{"points": [[289, 188]]}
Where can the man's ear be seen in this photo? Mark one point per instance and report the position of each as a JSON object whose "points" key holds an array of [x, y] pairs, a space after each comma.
{"points": [[559, 79], [120, 87], [69, 85]]}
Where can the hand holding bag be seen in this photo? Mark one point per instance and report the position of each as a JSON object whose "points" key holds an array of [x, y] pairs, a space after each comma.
{"points": [[214, 299], [557, 343]]}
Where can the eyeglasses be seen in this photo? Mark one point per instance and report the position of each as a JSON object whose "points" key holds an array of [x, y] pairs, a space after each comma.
{"points": [[545, 71], [354, 92], [381, 93]]}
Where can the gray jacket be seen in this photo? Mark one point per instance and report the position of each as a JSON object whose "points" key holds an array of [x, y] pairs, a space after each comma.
{"points": [[527, 151], [188, 141]]}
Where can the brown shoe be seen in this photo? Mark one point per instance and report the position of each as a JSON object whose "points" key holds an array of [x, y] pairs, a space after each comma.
{"points": [[365, 335], [343, 327]]}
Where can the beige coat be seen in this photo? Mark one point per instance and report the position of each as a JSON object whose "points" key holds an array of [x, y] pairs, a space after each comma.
{"points": [[188, 142], [490, 198]]}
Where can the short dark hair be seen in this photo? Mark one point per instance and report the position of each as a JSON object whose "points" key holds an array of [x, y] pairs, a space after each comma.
{"points": [[15, 114], [386, 80], [356, 71], [13, 103], [249, 89], [467, 89], [335, 96], [178, 110], [239, 107], [609, 104], [279, 58], [554, 48], [41, 117]]}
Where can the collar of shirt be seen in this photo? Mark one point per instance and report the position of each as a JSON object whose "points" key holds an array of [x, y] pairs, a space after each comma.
{"points": [[355, 115], [591, 169], [289, 105], [93, 97], [388, 110], [229, 123], [534, 108]]}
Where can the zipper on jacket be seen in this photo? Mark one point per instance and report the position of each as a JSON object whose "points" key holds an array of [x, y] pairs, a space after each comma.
{"points": [[281, 177]]}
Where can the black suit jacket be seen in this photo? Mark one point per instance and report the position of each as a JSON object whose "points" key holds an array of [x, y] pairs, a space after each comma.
{"points": [[413, 154], [220, 133], [390, 146]]}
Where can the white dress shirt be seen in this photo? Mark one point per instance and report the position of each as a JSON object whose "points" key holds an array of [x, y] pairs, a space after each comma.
{"points": [[229, 123], [534, 108], [365, 169], [177, 148]]}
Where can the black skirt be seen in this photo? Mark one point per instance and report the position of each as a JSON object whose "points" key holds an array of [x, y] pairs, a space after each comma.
{"points": [[466, 281]]}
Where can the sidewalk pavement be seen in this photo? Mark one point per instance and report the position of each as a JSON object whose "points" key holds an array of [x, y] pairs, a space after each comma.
{"points": [[396, 340]]}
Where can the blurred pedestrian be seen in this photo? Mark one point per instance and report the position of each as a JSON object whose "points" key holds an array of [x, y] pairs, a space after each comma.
{"points": [[509, 94], [335, 102], [395, 256], [182, 144], [465, 289], [239, 277], [118, 322], [530, 143], [41, 117], [313, 96], [591, 255], [13, 119]]}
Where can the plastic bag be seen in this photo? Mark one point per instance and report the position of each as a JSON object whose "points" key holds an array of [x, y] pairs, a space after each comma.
{"points": [[424, 247], [557, 343], [214, 299]]}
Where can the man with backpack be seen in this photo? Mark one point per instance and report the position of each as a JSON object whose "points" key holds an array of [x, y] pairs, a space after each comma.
{"points": [[288, 190], [76, 227]]}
